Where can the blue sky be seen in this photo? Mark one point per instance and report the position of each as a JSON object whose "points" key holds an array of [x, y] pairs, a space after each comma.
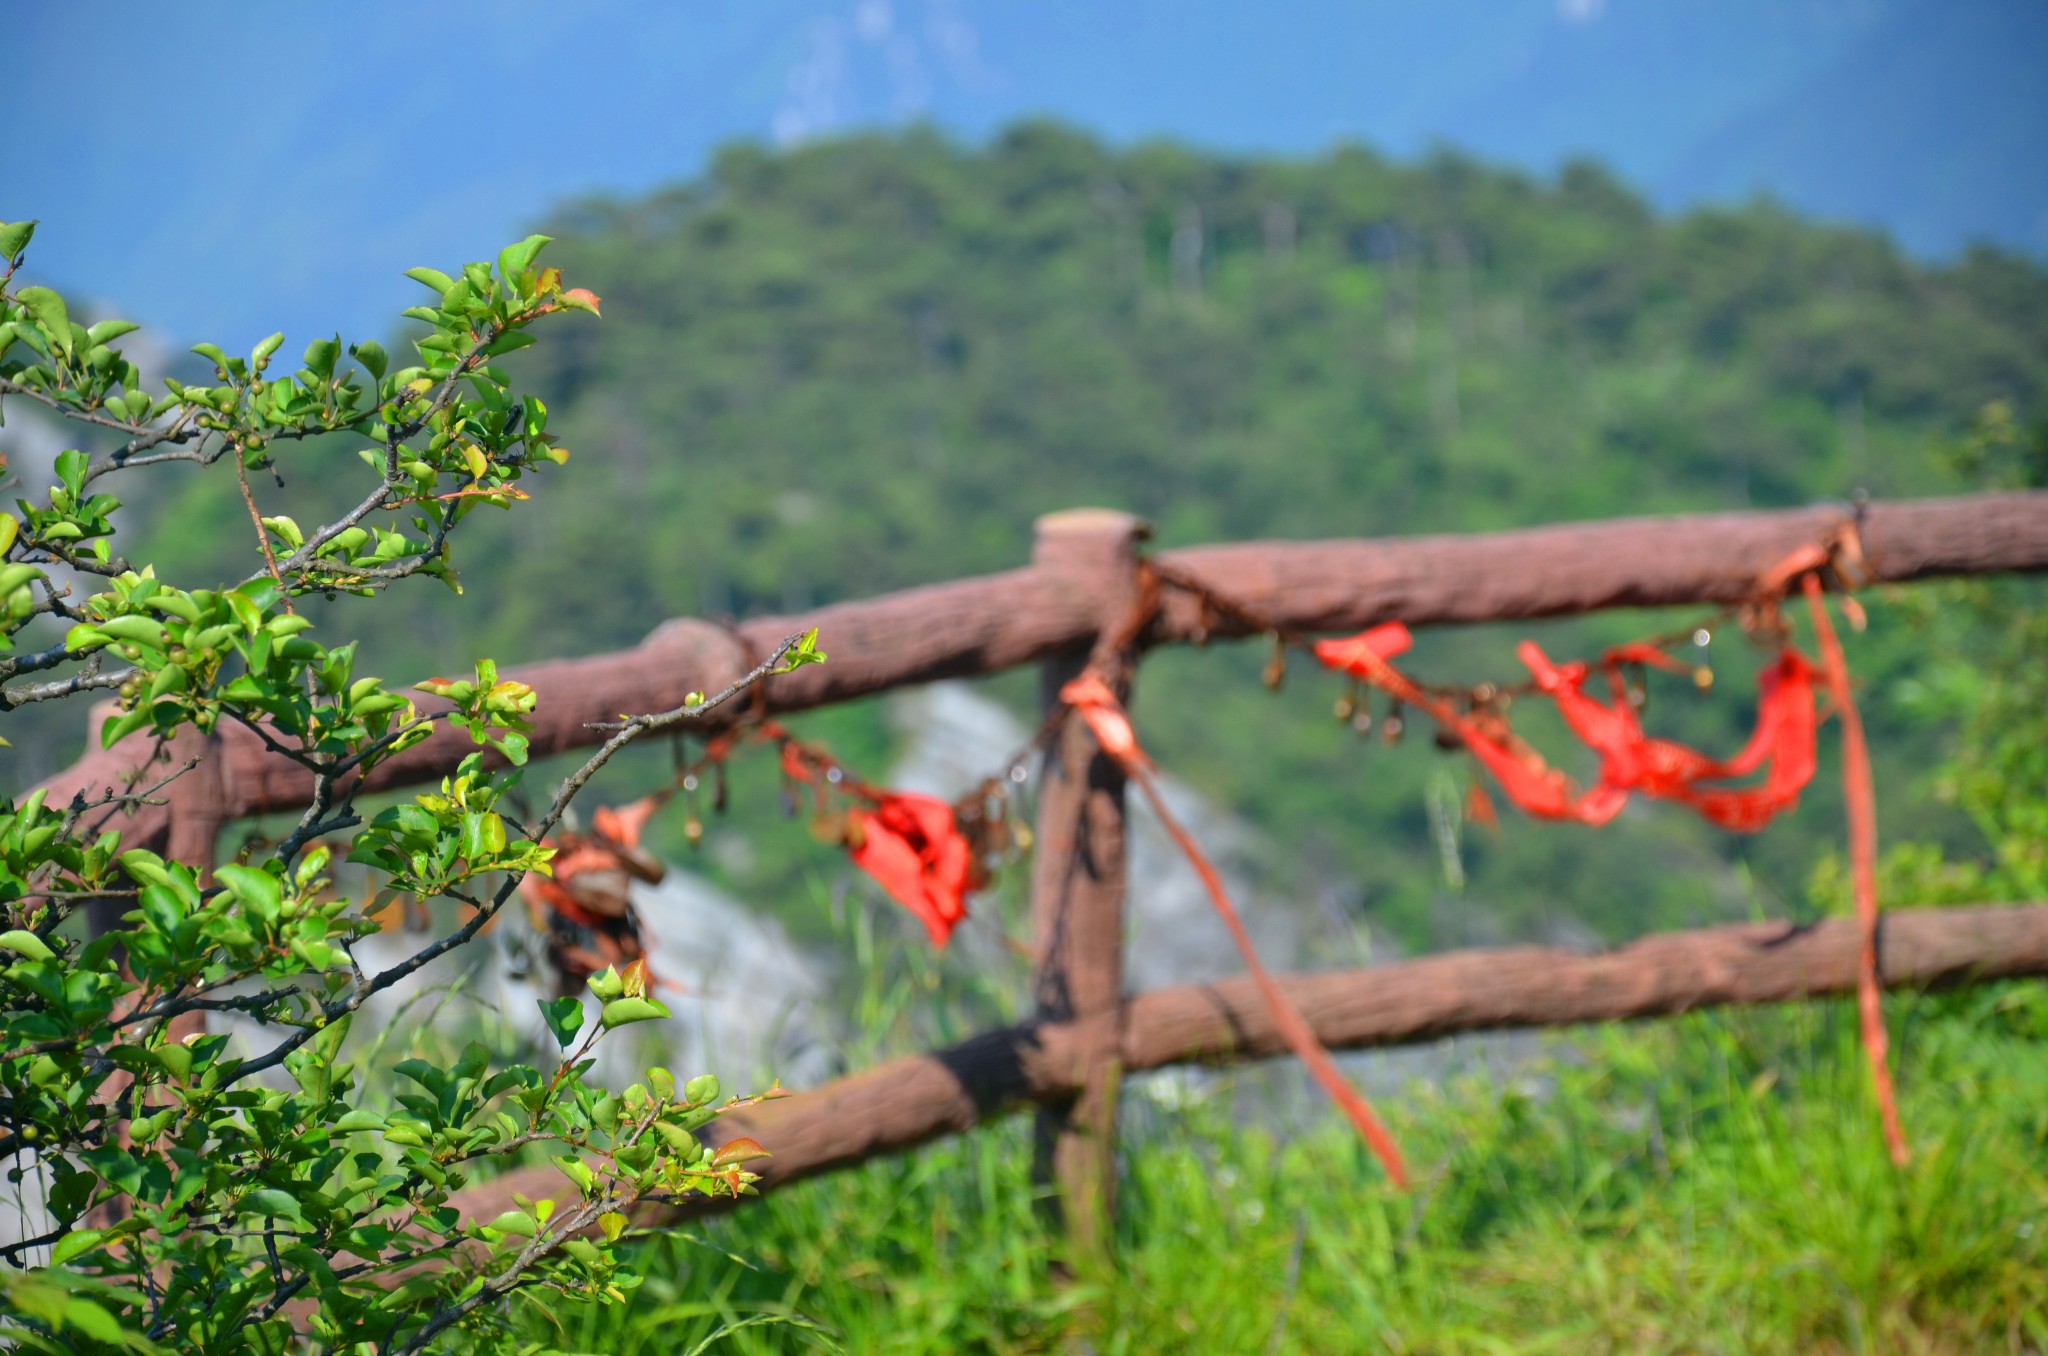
{"points": [[246, 166]]}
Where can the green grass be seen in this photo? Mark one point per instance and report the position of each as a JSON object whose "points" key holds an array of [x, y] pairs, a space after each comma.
{"points": [[1712, 1184]]}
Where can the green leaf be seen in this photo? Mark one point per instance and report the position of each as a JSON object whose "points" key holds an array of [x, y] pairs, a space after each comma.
{"points": [[183, 606], [564, 1017], [622, 1011], [71, 466], [74, 1244], [114, 731], [511, 341], [320, 357], [677, 1138], [272, 1204], [371, 355], [136, 630], [258, 889], [84, 1316], [514, 260], [483, 835], [516, 1222], [25, 943], [804, 652], [246, 610], [576, 1170], [261, 353], [14, 576], [14, 238], [431, 277], [175, 1059], [47, 309], [109, 330]]}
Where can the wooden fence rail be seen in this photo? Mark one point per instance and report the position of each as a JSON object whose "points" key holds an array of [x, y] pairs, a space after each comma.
{"points": [[1032, 615], [1070, 605], [906, 1102]]}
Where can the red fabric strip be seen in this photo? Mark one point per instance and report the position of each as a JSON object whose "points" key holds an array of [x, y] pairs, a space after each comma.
{"points": [[1862, 802], [912, 846], [1097, 705]]}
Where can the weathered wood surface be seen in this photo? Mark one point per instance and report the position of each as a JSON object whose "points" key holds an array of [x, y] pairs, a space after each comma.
{"points": [[1079, 872], [903, 1103], [1032, 615]]}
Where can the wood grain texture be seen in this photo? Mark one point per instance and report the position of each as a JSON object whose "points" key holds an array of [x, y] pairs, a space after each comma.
{"points": [[1079, 871], [907, 1102], [1571, 568], [983, 625]]}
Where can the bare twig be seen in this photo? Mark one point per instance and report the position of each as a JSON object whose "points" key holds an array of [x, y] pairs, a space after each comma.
{"points": [[284, 595], [90, 679]]}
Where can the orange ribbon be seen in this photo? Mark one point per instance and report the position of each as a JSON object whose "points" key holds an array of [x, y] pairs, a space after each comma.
{"points": [[914, 848], [1630, 759], [1541, 790], [1096, 704]]}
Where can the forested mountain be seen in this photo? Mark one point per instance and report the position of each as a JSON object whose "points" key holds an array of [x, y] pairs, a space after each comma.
{"points": [[872, 362]]}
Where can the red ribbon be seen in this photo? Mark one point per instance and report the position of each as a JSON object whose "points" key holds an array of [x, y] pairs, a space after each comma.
{"points": [[1541, 790], [1633, 761], [912, 846], [1782, 745], [1097, 704], [1862, 805], [1630, 760]]}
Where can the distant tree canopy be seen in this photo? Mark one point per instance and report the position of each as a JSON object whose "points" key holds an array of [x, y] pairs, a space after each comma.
{"points": [[870, 362], [949, 341]]}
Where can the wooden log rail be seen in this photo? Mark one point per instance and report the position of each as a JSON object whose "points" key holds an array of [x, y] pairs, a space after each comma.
{"points": [[1073, 604], [1036, 614], [906, 1102]]}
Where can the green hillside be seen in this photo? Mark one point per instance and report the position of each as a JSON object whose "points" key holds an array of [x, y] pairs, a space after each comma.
{"points": [[871, 363]]}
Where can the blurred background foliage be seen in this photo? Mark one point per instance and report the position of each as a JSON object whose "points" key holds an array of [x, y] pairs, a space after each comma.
{"points": [[870, 363]]}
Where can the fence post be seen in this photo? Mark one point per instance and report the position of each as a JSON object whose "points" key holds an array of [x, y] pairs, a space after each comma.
{"points": [[1077, 884]]}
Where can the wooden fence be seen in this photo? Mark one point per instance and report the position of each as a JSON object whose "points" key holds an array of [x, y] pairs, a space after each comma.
{"points": [[1072, 603]]}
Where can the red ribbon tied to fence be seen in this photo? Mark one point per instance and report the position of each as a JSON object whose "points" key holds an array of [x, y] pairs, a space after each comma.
{"points": [[1630, 760], [1862, 799], [1782, 745], [912, 845], [1097, 704], [1541, 790]]}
